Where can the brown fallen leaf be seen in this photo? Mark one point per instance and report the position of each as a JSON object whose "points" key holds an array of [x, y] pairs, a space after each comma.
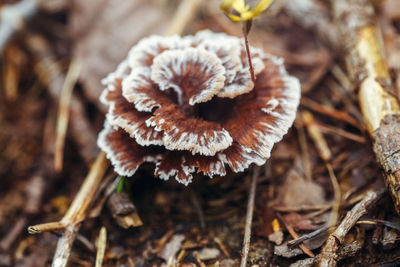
{"points": [[297, 191]]}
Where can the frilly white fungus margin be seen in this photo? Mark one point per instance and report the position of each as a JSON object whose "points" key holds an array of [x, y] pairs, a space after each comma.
{"points": [[202, 68], [118, 164], [193, 142]]}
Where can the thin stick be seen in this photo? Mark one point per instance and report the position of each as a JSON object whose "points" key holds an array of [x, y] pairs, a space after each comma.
{"points": [[79, 206], [63, 112], [64, 246], [249, 217], [308, 236], [328, 256], [50, 73], [101, 247], [246, 43], [303, 247], [187, 10], [337, 196], [77, 210]]}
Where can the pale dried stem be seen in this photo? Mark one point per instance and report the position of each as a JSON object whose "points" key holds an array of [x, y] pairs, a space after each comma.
{"points": [[101, 247], [337, 196], [316, 135], [64, 246], [328, 256], [326, 155], [77, 211], [305, 155], [63, 112], [50, 73], [368, 68], [302, 246], [249, 217], [186, 12]]}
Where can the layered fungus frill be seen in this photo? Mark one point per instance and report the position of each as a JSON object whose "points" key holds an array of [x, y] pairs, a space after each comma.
{"points": [[188, 104]]}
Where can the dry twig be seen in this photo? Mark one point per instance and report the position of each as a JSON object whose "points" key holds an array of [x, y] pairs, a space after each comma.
{"points": [[367, 67], [76, 212], [187, 10], [63, 112], [101, 247], [51, 74], [328, 256], [249, 217]]}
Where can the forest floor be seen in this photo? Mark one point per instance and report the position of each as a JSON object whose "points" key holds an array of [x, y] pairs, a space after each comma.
{"points": [[321, 179]]}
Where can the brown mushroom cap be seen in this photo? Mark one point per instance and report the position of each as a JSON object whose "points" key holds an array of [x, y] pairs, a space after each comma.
{"points": [[188, 104]]}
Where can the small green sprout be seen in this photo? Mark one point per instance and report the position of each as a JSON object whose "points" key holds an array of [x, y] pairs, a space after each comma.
{"points": [[121, 184]]}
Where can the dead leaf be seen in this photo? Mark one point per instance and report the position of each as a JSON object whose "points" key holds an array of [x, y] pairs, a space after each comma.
{"points": [[297, 191]]}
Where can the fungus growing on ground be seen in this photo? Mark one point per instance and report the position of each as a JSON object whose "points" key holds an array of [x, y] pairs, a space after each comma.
{"points": [[188, 104]]}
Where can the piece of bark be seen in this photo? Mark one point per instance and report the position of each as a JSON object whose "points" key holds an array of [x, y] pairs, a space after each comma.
{"points": [[387, 150], [123, 210], [368, 69]]}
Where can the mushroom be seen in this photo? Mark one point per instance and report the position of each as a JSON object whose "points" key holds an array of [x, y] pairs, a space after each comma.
{"points": [[188, 104]]}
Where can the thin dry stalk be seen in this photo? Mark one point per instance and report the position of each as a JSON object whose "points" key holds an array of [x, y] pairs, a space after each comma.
{"points": [[101, 247], [63, 112], [326, 155], [50, 73], [305, 155], [329, 111], [222, 247], [249, 217], [316, 135], [64, 246], [303, 247], [186, 12], [13, 61], [77, 210], [337, 196], [328, 256]]}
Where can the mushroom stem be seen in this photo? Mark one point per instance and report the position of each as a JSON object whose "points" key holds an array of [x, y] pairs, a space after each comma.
{"points": [[246, 28]]}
